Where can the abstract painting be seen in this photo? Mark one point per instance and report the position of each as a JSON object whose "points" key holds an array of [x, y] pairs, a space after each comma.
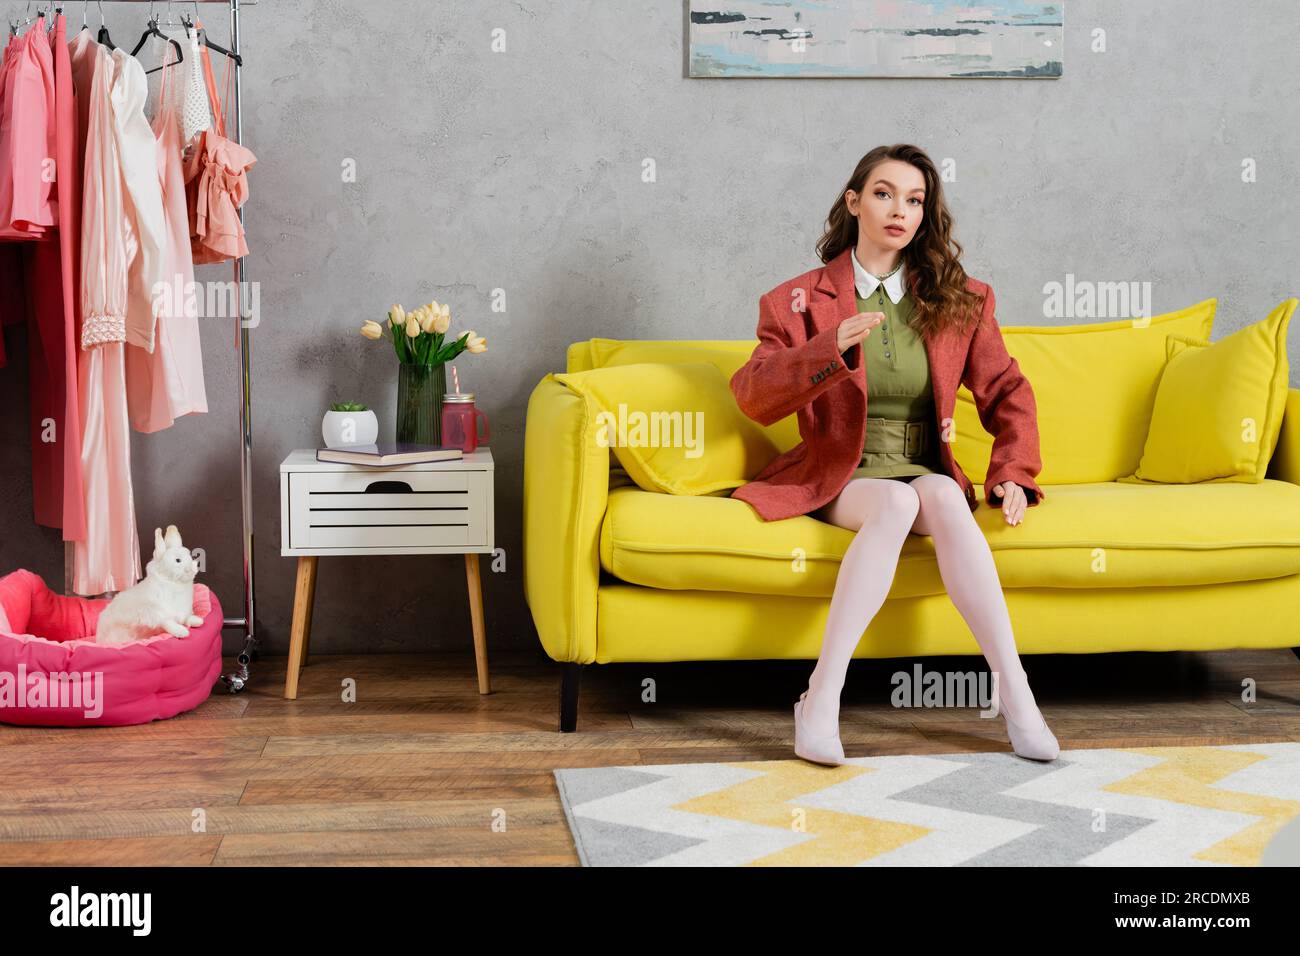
{"points": [[903, 38]]}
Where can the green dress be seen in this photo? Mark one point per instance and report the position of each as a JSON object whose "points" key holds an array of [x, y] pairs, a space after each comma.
{"points": [[899, 391]]}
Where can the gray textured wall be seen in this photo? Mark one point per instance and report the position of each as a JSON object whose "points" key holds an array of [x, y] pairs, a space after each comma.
{"points": [[522, 171]]}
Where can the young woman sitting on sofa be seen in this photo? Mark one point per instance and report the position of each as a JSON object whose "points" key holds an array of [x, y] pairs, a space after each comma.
{"points": [[891, 266]]}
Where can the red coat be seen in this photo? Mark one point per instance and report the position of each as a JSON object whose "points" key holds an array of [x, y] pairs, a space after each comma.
{"points": [[797, 368]]}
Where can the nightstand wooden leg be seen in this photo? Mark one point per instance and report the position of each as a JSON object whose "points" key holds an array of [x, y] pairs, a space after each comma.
{"points": [[475, 582], [304, 593], [311, 604]]}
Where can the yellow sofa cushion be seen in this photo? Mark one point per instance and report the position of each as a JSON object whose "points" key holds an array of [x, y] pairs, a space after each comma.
{"points": [[1219, 406], [1100, 535], [674, 427], [1095, 387], [727, 355]]}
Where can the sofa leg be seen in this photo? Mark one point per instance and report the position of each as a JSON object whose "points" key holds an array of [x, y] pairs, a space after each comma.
{"points": [[571, 674]]}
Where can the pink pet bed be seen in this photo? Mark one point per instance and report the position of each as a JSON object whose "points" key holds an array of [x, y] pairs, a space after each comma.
{"points": [[52, 673]]}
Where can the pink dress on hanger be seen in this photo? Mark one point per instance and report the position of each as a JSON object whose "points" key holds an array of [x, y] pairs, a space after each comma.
{"points": [[28, 203], [121, 255], [167, 384], [22, 136], [109, 558]]}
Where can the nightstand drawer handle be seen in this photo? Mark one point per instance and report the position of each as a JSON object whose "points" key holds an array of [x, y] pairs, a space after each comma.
{"points": [[388, 487]]}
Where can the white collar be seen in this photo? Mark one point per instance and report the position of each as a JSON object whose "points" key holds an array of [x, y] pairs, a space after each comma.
{"points": [[867, 283]]}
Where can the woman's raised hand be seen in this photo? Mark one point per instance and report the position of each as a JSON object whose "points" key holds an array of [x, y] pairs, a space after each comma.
{"points": [[856, 328]]}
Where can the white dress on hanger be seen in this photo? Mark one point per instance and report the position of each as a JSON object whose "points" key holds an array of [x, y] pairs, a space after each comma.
{"points": [[148, 226]]}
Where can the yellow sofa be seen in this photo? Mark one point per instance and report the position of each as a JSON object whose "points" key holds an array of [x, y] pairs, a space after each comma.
{"points": [[616, 573]]}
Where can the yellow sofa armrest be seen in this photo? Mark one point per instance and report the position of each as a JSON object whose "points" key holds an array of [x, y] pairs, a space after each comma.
{"points": [[566, 491], [1285, 464]]}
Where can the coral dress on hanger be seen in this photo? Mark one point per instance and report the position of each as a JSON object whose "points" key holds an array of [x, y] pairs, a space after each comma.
{"points": [[217, 185], [40, 182], [216, 182], [69, 145], [54, 263]]}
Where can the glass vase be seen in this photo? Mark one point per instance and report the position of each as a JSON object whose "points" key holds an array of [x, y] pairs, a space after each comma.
{"points": [[420, 390]]}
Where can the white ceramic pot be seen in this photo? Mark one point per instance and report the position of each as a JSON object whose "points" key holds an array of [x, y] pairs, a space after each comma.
{"points": [[349, 428]]}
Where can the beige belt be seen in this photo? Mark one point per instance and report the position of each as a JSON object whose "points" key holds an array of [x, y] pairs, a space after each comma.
{"points": [[890, 436]]}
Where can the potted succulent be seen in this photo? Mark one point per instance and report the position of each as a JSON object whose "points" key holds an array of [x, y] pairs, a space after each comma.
{"points": [[349, 423], [423, 350]]}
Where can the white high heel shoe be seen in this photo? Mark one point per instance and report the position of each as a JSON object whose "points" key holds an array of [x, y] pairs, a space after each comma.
{"points": [[1033, 742], [824, 750]]}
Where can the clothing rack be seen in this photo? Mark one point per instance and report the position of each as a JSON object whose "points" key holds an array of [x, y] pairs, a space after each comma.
{"points": [[237, 679]]}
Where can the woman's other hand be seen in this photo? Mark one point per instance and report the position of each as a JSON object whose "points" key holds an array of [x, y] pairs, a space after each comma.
{"points": [[1014, 501]]}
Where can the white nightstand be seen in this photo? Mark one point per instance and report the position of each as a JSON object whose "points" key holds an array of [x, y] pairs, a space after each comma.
{"points": [[443, 507]]}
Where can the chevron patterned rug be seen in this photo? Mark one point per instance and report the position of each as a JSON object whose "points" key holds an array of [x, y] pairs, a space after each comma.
{"points": [[1146, 806]]}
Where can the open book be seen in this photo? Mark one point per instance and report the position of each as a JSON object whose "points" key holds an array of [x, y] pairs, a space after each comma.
{"points": [[388, 453]]}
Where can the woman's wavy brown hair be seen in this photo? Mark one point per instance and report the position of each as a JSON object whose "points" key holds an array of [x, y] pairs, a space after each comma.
{"points": [[940, 295]]}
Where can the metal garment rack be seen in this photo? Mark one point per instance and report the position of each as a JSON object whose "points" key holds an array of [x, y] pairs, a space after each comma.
{"points": [[237, 679]]}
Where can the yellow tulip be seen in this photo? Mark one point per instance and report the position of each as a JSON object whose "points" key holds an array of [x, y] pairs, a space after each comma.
{"points": [[412, 326], [442, 320], [475, 343], [397, 316], [372, 330], [427, 316]]}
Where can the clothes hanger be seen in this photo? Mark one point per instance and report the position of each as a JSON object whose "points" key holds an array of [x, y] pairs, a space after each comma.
{"points": [[25, 20], [175, 62], [169, 21], [103, 37], [203, 37], [152, 31]]}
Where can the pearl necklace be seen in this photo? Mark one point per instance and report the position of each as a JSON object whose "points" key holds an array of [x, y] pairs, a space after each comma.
{"points": [[881, 288]]}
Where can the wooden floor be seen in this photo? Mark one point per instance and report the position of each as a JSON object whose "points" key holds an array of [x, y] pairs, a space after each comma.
{"points": [[421, 769]]}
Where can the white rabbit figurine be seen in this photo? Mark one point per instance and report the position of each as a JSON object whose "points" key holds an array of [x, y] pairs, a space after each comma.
{"points": [[162, 601]]}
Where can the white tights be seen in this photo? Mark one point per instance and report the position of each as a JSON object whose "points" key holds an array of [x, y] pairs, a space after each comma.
{"points": [[882, 512]]}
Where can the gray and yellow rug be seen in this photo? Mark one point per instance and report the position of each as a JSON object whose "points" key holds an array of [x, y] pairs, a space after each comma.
{"points": [[1147, 806]]}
